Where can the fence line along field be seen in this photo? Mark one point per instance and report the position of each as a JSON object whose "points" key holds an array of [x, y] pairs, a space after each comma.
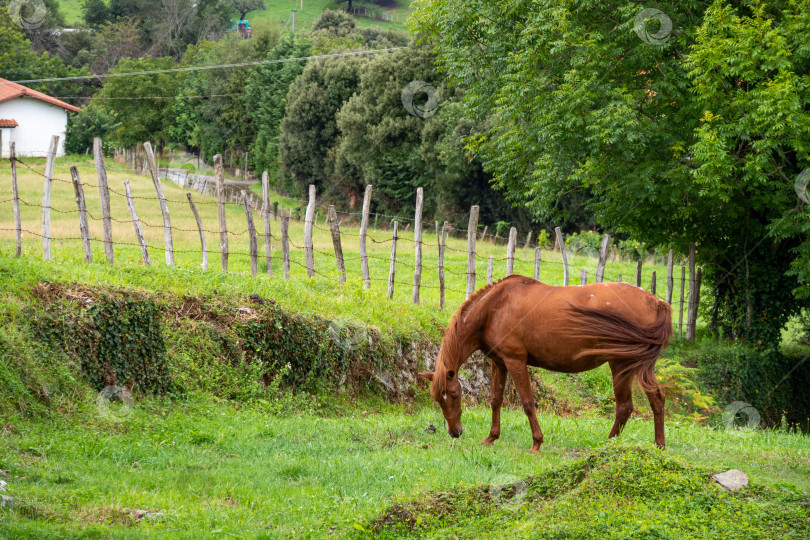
{"points": [[390, 273]]}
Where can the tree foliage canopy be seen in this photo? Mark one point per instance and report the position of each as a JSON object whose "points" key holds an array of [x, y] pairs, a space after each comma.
{"points": [[694, 133]]}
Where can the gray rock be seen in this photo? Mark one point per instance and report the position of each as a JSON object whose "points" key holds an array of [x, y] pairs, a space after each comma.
{"points": [[3, 486], [731, 480], [6, 501]]}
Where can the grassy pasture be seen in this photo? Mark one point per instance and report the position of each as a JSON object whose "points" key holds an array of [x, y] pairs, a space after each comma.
{"points": [[323, 295], [214, 470], [72, 11], [277, 13], [294, 466]]}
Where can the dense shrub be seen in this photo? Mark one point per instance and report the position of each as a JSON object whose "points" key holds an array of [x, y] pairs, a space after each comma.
{"points": [[116, 341], [775, 383]]}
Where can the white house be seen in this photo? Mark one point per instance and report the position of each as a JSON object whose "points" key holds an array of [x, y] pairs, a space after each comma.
{"points": [[30, 119]]}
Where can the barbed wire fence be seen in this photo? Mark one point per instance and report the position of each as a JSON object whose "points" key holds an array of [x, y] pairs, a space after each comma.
{"points": [[325, 218]]}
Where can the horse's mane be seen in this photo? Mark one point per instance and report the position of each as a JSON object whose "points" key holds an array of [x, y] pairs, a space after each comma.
{"points": [[451, 342]]}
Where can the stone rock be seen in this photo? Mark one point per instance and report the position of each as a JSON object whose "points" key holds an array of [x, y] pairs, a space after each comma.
{"points": [[731, 480], [6, 501], [3, 485], [151, 515]]}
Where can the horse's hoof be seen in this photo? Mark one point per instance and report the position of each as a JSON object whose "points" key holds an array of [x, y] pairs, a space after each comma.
{"points": [[535, 450], [488, 441]]}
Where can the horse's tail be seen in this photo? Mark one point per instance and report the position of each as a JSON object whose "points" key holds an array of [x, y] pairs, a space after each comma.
{"points": [[634, 346]]}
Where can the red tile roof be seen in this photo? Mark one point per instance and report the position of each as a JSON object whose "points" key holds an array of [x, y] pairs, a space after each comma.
{"points": [[11, 90], [8, 123]]}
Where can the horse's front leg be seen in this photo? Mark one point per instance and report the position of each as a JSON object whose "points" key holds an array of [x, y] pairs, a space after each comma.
{"points": [[520, 375], [498, 384]]}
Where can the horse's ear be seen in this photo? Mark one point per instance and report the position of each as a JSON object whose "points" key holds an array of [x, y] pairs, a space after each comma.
{"points": [[428, 376], [451, 374]]}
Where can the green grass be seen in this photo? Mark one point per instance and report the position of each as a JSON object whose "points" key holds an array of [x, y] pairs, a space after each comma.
{"points": [[215, 469], [323, 295], [71, 10], [297, 466], [277, 13]]}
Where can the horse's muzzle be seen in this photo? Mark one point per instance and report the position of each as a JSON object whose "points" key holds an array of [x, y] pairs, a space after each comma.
{"points": [[456, 433]]}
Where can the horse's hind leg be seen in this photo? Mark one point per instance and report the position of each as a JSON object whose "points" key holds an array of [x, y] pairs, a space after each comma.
{"points": [[498, 384], [622, 390], [656, 397], [520, 375]]}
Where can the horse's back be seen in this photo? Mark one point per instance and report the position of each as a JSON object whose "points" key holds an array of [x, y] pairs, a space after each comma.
{"points": [[543, 319]]}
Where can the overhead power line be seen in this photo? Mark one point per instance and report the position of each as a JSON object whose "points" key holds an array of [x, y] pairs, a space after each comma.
{"points": [[218, 66]]}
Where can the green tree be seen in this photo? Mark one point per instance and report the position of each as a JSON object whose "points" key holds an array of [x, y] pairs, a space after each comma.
{"points": [[83, 127], [690, 133], [96, 13], [309, 128], [211, 113], [19, 61], [139, 103], [246, 6], [265, 100]]}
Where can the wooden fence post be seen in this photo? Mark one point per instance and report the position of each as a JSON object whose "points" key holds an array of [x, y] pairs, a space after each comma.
{"points": [[308, 245], [223, 225], [266, 216], [691, 311], [417, 244], [334, 228], [393, 268], [680, 312], [489, 270], [510, 252], [285, 244], [164, 207], [603, 252], [137, 225], [561, 243], [46, 199], [484, 234], [537, 255], [441, 240], [15, 195], [619, 278], [363, 231], [104, 195], [528, 241], [670, 281], [583, 277], [652, 283], [84, 229], [638, 273], [202, 232], [472, 228], [254, 255]]}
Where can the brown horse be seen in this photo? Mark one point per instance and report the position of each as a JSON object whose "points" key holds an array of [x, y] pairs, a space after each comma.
{"points": [[519, 322]]}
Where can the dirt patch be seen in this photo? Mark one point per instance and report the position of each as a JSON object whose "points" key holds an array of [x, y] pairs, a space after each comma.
{"points": [[407, 515]]}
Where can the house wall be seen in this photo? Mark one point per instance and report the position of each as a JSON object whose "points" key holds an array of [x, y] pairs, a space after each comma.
{"points": [[38, 121]]}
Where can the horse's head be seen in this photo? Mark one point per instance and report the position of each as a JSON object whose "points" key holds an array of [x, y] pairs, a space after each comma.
{"points": [[448, 394]]}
